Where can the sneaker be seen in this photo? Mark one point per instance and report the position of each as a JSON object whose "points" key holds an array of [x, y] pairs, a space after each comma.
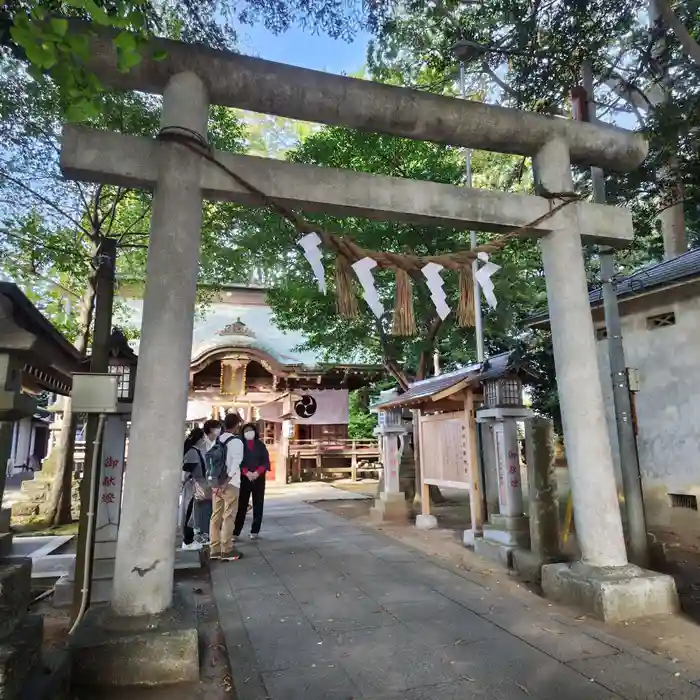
{"points": [[215, 554], [202, 539], [233, 555], [191, 547], [254, 536]]}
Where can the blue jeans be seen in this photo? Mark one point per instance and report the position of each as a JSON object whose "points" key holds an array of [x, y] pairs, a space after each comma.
{"points": [[202, 516]]}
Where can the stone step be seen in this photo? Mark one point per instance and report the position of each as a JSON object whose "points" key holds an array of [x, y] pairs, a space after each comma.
{"points": [[38, 497], [20, 655], [15, 595], [103, 572], [24, 509], [34, 485], [100, 591]]}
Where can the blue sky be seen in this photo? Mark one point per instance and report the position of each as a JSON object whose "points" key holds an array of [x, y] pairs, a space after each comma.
{"points": [[302, 48]]}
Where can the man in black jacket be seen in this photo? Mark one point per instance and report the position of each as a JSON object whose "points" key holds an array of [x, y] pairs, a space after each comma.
{"points": [[254, 467]]}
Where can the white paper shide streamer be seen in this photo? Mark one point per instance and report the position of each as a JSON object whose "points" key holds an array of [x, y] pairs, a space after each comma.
{"points": [[483, 277], [310, 244], [363, 269], [431, 272]]}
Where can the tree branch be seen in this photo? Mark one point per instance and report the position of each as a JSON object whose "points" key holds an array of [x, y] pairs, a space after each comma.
{"points": [[146, 211], [390, 364], [690, 47], [501, 84], [43, 199]]}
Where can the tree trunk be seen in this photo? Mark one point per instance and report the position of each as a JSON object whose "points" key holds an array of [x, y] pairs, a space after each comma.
{"points": [[673, 222], [59, 509]]}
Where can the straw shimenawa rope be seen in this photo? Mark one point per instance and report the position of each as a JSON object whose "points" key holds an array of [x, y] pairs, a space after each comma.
{"points": [[348, 251], [344, 245]]}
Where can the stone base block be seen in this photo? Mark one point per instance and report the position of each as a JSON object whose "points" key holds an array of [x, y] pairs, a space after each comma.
{"points": [[49, 682], [500, 553], [509, 522], [508, 537], [614, 594], [529, 565], [390, 508], [20, 655], [426, 522], [15, 594], [126, 652], [470, 537], [5, 544]]}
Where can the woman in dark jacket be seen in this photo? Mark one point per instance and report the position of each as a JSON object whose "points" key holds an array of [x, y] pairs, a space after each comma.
{"points": [[254, 467]]}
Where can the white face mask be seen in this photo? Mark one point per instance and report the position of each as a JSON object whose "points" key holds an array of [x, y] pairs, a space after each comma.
{"points": [[249, 435]]}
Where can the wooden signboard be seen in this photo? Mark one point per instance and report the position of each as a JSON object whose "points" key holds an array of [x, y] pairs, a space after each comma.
{"points": [[444, 444]]}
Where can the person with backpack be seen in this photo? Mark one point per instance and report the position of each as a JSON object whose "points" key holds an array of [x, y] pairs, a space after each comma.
{"points": [[202, 491], [255, 464], [224, 477], [193, 468]]}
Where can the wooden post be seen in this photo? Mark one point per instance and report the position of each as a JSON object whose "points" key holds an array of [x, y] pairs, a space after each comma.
{"points": [[353, 462], [424, 488], [475, 497]]}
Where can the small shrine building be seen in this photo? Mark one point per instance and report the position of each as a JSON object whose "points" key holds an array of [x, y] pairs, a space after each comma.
{"points": [[242, 362]]}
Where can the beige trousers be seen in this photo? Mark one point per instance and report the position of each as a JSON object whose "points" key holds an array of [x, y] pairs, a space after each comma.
{"points": [[224, 502]]}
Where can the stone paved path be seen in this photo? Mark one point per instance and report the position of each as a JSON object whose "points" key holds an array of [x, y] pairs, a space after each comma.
{"points": [[323, 609]]}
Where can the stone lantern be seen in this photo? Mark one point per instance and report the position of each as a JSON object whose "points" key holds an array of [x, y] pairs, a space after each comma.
{"points": [[503, 408], [122, 362], [503, 392], [391, 504]]}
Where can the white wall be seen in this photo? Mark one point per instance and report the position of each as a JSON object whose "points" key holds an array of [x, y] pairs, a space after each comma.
{"points": [[668, 408]]}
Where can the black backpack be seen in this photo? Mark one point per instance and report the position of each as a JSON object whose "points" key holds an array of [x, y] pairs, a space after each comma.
{"points": [[217, 473]]}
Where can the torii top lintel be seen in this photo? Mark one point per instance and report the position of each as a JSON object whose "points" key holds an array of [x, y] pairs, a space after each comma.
{"points": [[279, 89]]}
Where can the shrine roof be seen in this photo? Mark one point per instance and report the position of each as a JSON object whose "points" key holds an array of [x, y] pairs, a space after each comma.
{"points": [[245, 322], [651, 277], [450, 382], [49, 357]]}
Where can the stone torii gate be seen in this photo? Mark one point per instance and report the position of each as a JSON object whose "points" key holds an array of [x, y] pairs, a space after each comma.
{"points": [[191, 78]]}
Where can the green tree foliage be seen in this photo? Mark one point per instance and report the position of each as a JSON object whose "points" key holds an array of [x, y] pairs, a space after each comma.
{"points": [[529, 54], [298, 305], [52, 230], [362, 423], [38, 31]]}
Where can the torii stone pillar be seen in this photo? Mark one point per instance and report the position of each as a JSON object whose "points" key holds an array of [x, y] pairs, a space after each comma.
{"points": [[604, 581], [143, 579]]}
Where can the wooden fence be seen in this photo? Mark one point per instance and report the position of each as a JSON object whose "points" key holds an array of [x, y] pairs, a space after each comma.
{"points": [[331, 456]]}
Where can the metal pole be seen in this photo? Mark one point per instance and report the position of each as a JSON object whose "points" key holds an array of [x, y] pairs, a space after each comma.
{"points": [[99, 363], [478, 320], [629, 461]]}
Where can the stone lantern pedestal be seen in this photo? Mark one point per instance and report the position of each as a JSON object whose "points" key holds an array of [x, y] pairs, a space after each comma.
{"points": [[509, 529], [391, 504]]}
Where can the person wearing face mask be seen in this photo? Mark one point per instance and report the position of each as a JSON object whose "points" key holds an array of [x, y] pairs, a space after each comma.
{"points": [[193, 470], [255, 465], [202, 490], [212, 430]]}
